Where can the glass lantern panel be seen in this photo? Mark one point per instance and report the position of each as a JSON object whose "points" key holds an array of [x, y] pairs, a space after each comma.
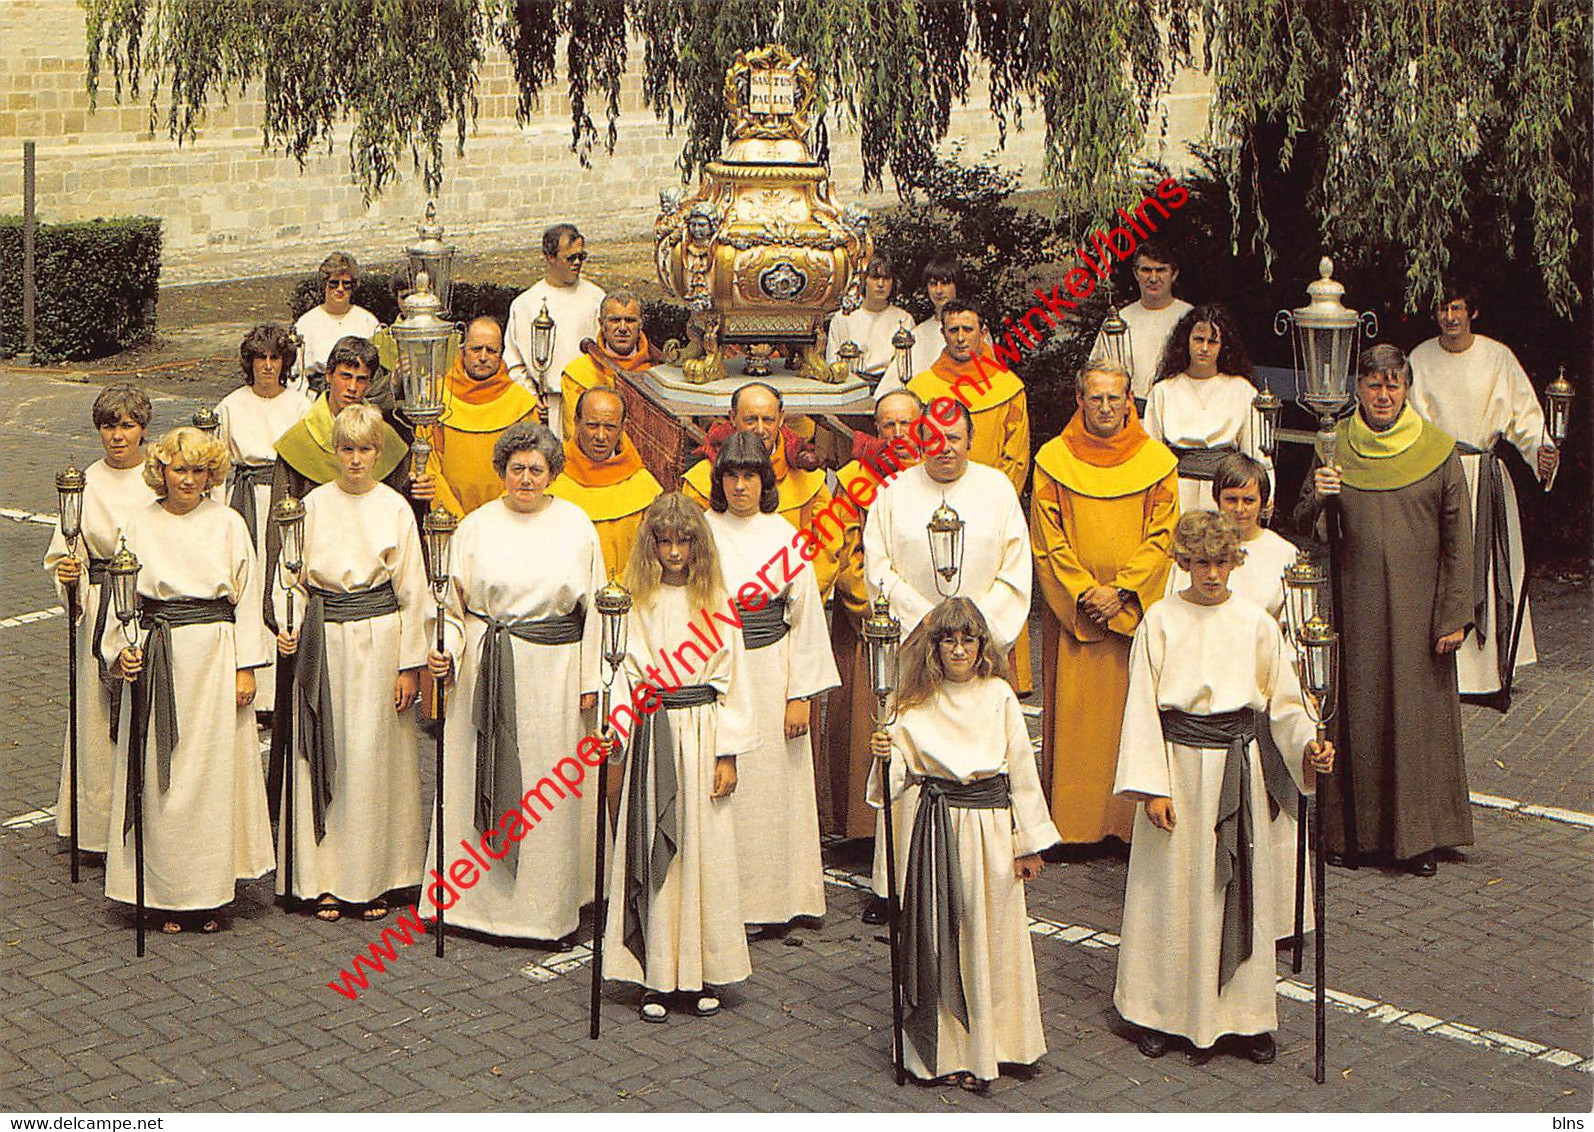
{"points": [[882, 669], [425, 362], [1325, 355], [439, 268]]}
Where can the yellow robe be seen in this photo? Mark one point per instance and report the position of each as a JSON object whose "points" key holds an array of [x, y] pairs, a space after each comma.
{"points": [[803, 495], [1092, 525], [584, 373], [461, 464], [616, 509]]}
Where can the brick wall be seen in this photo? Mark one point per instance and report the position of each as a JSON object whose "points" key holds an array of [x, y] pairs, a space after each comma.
{"points": [[232, 210]]}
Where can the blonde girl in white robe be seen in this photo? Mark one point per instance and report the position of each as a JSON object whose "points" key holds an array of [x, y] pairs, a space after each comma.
{"points": [[1240, 489], [206, 826], [360, 547], [1206, 653], [1201, 402], [777, 814], [526, 564], [253, 418], [675, 926], [959, 730], [114, 488]]}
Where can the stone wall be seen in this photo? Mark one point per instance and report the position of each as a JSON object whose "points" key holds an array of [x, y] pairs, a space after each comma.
{"points": [[232, 210]]}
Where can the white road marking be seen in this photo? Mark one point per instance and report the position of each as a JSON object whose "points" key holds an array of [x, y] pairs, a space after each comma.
{"points": [[30, 618], [31, 819], [15, 515]]}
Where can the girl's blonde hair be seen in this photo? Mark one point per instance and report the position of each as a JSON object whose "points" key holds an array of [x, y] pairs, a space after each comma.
{"points": [[673, 516], [192, 445], [1207, 534], [922, 674], [357, 425]]}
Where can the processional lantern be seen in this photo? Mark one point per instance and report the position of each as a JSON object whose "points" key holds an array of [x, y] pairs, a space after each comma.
{"points": [[1558, 397], [206, 421], [946, 529], [69, 485], [613, 602], [437, 533], [1306, 591], [288, 515], [1317, 652], [882, 635], [851, 355], [123, 571], [1117, 343], [902, 354], [422, 338], [431, 257], [1325, 345], [544, 333], [1266, 409]]}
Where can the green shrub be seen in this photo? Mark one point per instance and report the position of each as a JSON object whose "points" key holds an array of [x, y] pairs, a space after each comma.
{"points": [[378, 292], [98, 281], [663, 320]]}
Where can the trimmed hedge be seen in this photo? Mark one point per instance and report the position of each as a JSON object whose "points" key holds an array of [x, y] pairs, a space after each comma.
{"points": [[98, 281]]}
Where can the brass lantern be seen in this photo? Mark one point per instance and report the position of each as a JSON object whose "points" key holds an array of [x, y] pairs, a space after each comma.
{"points": [[69, 485], [431, 258], [288, 515], [1558, 397], [1325, 341], [206, 421], [1117, 344], [123, 572], [1306, 592], [544, 334], [1266, 409], [1317, 650], [613, 602], [437, 531], [851, 355], [902, 354], [882, 635], [422, 338], [946, 548]]}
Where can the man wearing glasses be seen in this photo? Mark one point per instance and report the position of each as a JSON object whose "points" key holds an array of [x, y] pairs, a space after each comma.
{"points": [[573, 304], [336, 318]]}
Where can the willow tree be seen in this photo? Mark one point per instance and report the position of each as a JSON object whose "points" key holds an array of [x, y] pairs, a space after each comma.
{"points": [[1426, 123]]}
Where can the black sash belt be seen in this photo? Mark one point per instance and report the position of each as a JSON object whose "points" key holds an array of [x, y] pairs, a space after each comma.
{"points": [[1230, 731], [154, 688], [245, 478], [102, 611], [652, 836], [498, 782], [1201, 463], [1491, 543], [932, 899], [766, 625]]}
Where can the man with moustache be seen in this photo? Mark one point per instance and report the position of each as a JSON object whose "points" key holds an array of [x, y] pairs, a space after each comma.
{"points": [[620, 345], [479, 403], [1404, 561], [604, 476], [1105, 502]]}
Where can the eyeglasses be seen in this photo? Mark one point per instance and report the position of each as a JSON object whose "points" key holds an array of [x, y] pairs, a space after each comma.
{"points": [[340, 284], [576, 260]]}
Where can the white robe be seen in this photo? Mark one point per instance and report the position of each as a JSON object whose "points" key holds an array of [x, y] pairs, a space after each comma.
{"points": [[517, 567], [1215, 411], [1204, 660], [374, 830], [250, 428], [1480, 396], [694, 934], [997, 574], [928, 342], [574, 311], [873, 330], [1260, 578], [1149, 331], [777, 813], [110, 495], [320, 332], [966, 732], [211, 827]]}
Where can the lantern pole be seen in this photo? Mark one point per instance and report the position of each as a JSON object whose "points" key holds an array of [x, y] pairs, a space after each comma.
{"points": [[1305, 580], [288, 515], [69, 485], [614, 603], [122, 577], [882, 634], [438, 528], [1317, 662]]}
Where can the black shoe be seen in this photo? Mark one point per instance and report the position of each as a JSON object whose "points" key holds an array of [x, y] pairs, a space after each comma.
{"points": [[1152, 1043], [1341, 861], [1423, 865], [875, 911], [1261, 1049]]}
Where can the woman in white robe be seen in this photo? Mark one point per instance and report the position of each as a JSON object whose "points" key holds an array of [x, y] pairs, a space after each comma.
{"points": [[526, 564], [1200, 405], [253, 418], [785, 662], [206, 825], [357, 826], [1240, 489], [675, 925], [114, 488], [960, 737], [1187, 964]]}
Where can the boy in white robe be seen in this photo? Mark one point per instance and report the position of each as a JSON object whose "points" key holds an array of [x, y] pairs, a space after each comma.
{"points": [[973, 1001], [1208, 671], [675, 918]]}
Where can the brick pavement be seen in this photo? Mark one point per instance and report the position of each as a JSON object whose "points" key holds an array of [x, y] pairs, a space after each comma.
{"points": [[243, 1020]]}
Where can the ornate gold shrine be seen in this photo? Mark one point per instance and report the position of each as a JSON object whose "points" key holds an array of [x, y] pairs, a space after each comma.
{"points": [[762, 252]]}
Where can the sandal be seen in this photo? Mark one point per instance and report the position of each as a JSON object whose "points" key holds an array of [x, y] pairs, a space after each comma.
{"points": [[210, 927], [375, 910], [705, 1005], [654, 1008], [969, 1083], [327, 910], [172, 927]]}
